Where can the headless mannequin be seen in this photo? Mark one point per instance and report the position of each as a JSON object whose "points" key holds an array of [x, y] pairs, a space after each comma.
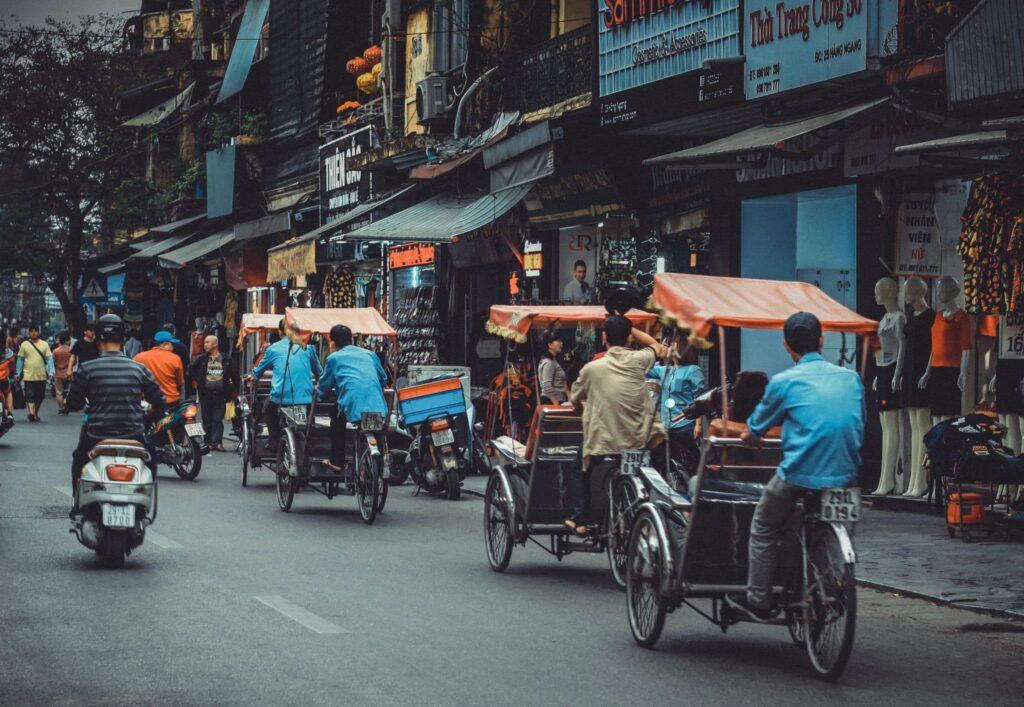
{"points": [[915, 294], [1009, 412], [890, 361], [947, 290]]}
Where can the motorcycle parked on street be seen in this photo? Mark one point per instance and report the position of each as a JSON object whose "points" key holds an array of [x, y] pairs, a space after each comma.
{"points": [[436, 460], [178, 439], [116, 499]]}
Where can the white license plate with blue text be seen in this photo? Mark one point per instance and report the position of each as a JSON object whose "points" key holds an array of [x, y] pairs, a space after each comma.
{"points": [[372, 422], [443, 437], [840, 505], [118, 515], [194, 429], [632, 460]]}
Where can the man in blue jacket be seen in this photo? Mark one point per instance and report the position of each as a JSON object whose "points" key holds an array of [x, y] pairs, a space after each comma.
{"points": [[294, 368], [821, 409], [359, 379]]}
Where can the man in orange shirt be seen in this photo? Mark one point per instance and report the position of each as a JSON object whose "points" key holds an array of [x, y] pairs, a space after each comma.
{"points": [[165, 365]]}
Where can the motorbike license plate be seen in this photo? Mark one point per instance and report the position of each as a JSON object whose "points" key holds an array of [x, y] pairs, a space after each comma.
{"points": [[372, 422], [632, 460], [443, 437], [118, 515], [194, 429], [297, 413], [840, 505]]}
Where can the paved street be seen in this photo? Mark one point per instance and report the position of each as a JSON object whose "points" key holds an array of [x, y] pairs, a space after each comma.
{"points": [[235, 602]]}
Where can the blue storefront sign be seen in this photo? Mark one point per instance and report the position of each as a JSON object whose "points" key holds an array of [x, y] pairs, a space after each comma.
{"points": [[650, 56], [797, 43]]}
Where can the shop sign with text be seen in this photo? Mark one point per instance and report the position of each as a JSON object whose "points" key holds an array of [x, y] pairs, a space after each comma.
{"points": [[793, 43], [341, 188], [410, 255], [918, 250], [650, 49]]}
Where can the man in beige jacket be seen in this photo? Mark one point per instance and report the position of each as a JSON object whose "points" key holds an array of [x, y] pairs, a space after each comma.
{"points": [[618, 412]]}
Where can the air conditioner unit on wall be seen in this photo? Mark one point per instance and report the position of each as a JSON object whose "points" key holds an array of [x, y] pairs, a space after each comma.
{"points": [[431, 98]]}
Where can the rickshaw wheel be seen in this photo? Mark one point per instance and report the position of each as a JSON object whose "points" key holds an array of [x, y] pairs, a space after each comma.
{"points": [[383, 497], [832, 613], [367, 481], [246, 450], [645, 567], [795, 622], [286, 462], [622, 499], [497, 525]]}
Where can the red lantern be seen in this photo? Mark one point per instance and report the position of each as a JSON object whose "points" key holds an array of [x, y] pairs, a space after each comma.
{"points": [[357, 66], [372, 55]]}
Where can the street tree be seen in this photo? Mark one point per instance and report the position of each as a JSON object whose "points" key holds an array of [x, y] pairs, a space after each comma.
{"points": [[63, 154]]}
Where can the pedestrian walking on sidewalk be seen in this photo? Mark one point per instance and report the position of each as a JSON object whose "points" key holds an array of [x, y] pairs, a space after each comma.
{"points": [[62, 369], [35, 368], [216, 382]]}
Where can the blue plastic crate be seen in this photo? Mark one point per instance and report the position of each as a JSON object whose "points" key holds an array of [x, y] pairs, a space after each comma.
{"points": [[431, 405]]}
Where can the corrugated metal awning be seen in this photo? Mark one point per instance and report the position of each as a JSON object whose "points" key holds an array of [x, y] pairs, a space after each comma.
{"points": [[442, 218], [176, 225], [985, 53], [159, 247], [181, 257], [760, 138], [244, 50], [966, 141], [159, 113], [266, 226]]}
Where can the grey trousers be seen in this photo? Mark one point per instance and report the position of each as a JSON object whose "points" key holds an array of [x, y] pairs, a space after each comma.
{"points": [[766, 530]]}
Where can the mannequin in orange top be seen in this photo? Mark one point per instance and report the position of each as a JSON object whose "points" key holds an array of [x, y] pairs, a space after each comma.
{"points": [[946, 375]]}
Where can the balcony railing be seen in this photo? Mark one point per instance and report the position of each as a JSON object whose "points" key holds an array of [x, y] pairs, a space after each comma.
{"points": [[549, 73]]}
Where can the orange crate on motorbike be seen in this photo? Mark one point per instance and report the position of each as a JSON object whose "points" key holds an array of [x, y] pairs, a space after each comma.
{"points": [[419, 403], [966, 508]]}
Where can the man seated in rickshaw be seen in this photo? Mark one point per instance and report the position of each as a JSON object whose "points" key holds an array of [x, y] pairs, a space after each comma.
{"points": [[294, 369], [358, 377], [618, 413], [821, 409]]}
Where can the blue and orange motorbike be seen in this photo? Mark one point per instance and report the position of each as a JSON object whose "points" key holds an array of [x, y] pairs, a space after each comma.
{"points": [[179, 439]]}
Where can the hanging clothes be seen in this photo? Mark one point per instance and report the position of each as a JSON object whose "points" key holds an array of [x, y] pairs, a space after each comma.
{"points": [[340, 288], [992, 245]]}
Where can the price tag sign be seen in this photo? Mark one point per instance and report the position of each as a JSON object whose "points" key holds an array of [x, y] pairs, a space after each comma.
{"points": [[1011, 337]]}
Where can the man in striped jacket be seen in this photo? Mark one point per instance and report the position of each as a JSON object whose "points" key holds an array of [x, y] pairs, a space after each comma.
{"points": [[114, 387]]}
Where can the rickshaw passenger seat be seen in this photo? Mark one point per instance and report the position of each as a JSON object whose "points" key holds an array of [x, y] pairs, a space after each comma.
{"points": [[539, 413], [719, 428]]}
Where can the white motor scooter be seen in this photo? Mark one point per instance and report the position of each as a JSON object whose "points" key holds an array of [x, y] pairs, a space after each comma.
{"points": [[116, 500]]}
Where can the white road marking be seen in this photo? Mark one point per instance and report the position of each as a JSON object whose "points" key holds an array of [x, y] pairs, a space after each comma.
{"points": [[296, 613], [154, 537]]}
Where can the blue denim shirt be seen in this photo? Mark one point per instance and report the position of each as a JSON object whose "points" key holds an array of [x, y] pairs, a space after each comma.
{"points": [[359, 378], [682, 384], [301, 364], [821, 409]]}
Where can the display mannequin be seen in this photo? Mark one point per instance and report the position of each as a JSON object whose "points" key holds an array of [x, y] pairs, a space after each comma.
{"points": [[946, 375], [889, 361], [918, 347], [1006, 384]]}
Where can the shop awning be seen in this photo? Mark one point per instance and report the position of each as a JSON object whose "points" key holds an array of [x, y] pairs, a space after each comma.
{"points": [[181, 257], [121, 264], [698, 301], [244, 48], [159, 113], [514, 321], [266, 226], [459, 152], [966, 141], [441, 218], [155, 249], [768, 137], [176, 225], [363, 321]]}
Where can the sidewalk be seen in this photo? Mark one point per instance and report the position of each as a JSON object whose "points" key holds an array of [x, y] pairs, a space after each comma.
{"points": [[911, 553]]}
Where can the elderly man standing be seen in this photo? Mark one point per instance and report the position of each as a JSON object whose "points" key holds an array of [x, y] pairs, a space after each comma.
{"points": [[214, 378]]}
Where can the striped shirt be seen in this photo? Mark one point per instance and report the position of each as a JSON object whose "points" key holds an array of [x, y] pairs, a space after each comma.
{"points": [[114, 387]]}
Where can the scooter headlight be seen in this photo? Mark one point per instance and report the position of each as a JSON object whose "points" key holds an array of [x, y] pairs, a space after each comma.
{"points": [[120, 472]]}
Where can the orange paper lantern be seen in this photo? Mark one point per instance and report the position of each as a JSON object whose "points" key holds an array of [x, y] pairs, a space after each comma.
{"points": [[357, 66], [373, 55], [367, 83]]}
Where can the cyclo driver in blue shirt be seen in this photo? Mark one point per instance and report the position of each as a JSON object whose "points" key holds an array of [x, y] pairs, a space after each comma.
{"points": [[821, 409], [294, 369], [359, 379]]}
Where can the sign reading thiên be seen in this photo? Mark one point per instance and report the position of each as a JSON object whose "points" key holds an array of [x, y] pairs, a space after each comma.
{"points": [[918, 247]]}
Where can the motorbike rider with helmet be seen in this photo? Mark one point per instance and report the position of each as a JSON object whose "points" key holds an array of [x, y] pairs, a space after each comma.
{"points": [[114, 387]]}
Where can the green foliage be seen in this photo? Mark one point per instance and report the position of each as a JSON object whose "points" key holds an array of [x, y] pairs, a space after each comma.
{"points": [[217, 128], [253, 123]]}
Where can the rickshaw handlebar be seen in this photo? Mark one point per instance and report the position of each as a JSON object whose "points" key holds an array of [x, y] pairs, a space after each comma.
{"points": [[737, 442]]}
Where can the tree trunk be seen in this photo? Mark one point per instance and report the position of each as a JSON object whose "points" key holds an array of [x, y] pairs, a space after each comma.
{"points": [[66, 278]]}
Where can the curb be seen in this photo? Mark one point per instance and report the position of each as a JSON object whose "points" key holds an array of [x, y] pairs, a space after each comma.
{"points": [[882, 587]]}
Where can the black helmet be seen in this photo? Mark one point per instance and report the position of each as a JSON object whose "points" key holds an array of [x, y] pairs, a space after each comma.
{"points": [[110, 327]]}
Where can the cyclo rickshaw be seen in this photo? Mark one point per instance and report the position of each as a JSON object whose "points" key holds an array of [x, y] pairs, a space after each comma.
{"points": [[526, 494], [253, 338], [305, 431], [681, 552]]}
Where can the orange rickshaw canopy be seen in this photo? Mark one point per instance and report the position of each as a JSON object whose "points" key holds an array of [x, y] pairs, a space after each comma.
{"points": [[514, 321], [363, 321], [698, 301]]}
